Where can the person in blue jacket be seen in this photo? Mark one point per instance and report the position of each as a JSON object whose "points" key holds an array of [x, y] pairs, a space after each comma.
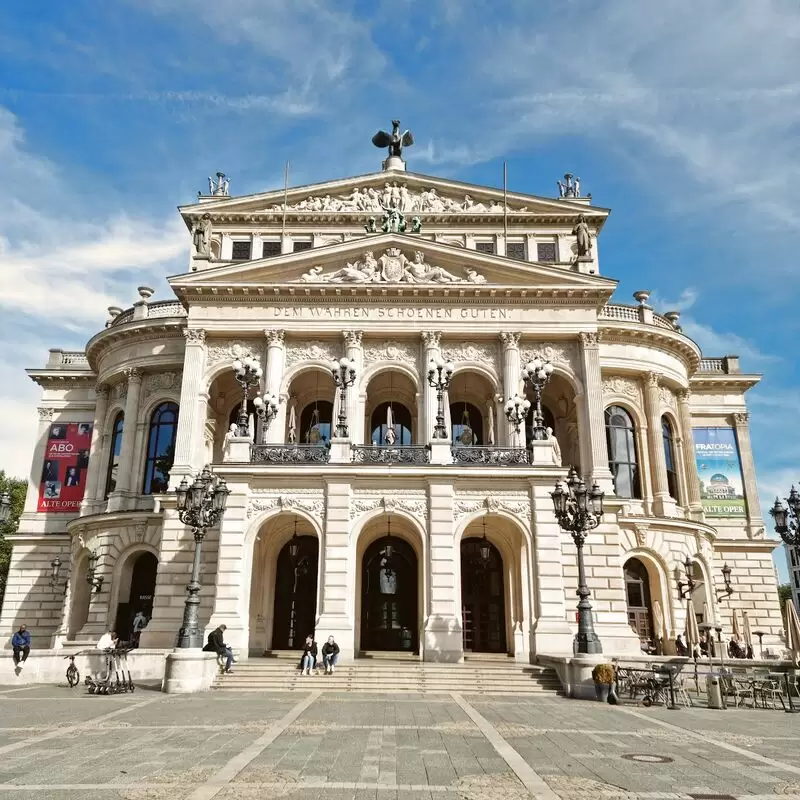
{"points": [[21, 644]]}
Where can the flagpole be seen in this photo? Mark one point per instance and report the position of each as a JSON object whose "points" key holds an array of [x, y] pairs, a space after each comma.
{"points": [[505, 201], [285, 195]]}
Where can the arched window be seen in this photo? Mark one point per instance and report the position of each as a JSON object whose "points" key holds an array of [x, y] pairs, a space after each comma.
{"points": [[401, 424], [114, 453], [637, 594], [160, 448], [669, 458], [466, 422], [622, 452], [316, 422]]}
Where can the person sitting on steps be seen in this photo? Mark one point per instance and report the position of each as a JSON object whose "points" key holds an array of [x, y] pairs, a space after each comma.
{"points": [[309, 659], [21, 645], [330, 655], [216, 644]]}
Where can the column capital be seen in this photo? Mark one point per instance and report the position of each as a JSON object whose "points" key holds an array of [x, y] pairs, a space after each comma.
{"points": [[510, 339], [652, 379], [133, 375], [431, 338], [741, 419], [45, 414], [101, 390], [194, 335], [684, 395], [352, 338], [589, 338], [275, 336]]}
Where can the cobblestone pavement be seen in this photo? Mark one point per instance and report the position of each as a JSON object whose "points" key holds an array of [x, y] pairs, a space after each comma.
{"points": [[66, 744]]}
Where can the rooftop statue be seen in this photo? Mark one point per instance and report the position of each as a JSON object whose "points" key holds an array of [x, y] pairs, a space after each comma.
{"points": [[220, 187], [395, 140]]}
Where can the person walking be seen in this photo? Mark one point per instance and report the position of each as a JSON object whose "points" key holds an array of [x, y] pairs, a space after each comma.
{"points": [[330, 655], [216, 644], [309, 659], [680, 647], [21, 645]]}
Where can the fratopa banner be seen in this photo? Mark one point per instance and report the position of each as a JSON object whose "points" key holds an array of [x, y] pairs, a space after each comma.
{"points": [[719, 468], [66, 461]]}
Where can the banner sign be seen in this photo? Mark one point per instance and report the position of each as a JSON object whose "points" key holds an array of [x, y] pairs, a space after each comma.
{"points": [[719, 468], [66, 459]]}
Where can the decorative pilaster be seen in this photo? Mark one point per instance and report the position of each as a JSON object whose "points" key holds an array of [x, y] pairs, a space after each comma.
{"points": [[32, 497], [661, 499], [431, 351], [693, 500], [593, 412], [93, 488], [512, 371], [754, 519], [273, 377], [127, 451], [355, 352], [191, 424]]}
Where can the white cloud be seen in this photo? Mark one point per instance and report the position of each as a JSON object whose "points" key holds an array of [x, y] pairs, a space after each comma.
{"points": [[716, 343]]}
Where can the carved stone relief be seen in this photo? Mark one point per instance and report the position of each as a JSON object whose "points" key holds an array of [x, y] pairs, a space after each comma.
{"points": [[119, 392], [391, 351], [516, 504], [412, 501], [625, 387], [556, 352], [231, 349], [311, 351], [667, 398], [161, 381], [312, 501], [470, 351]]}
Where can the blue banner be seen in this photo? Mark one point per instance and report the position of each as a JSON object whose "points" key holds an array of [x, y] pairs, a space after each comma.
{"points": [[719, 468]]}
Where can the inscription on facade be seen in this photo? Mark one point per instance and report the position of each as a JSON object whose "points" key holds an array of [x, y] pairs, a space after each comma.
{"points": [[389, 312]]}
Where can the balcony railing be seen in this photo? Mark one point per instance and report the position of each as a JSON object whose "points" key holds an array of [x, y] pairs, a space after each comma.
{"points": [[374, 454], [490, 456], [289, 454]]}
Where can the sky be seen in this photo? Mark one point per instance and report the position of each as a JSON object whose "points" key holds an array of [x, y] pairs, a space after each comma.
{"points": [[682, 117]]}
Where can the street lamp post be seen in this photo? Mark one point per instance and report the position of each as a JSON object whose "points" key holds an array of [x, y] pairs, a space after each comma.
{"points": [[439, 376], [200, 506], [92, 578], [536, 374], [686, 589], [247, 373], [516, 411], [344, 376], [727, 589], [580, 510], [787, 518], [267, 409]]}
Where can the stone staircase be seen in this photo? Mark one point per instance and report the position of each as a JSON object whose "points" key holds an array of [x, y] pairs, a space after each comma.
{"points": [[393, 673]]}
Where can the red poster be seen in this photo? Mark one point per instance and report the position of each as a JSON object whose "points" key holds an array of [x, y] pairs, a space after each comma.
{"points": [[66, 460]]}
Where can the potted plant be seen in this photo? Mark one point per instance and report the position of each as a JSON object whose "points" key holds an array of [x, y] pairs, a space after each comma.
{"points": [[603, 677]]}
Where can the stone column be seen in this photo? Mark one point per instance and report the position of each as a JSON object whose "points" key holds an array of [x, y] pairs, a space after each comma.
{"points": [[37, 462], [663, 504], [430, 352], [273, 378], [755, 523], [191, 424], [93, 488], [355, 352], [593, 412], [693, 500], [125, 476], [512, 372]]}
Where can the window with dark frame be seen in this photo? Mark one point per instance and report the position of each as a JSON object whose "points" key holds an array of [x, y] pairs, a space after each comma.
{"points": [[546, 251], [160, 448], [299, 246], [622, 461], [669, 458], [485, 247], [241, 251], [269, 249], [114, 453], [516, 250]]}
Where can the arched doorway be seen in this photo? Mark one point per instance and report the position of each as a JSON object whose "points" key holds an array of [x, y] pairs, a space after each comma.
{"points": [[400, 418], [389, 596], [637, 594], [482, 597], [295, 592], [466, 425], [137, 596]]}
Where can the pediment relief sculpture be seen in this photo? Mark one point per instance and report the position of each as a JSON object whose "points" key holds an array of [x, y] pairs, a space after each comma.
{"points": [[391, 267], [396, 196]]}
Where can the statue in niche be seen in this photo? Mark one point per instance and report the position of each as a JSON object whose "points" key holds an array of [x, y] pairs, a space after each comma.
{"points": [[387, 578], [583, 237], [201, 236], [395, 140], [556, 447]]}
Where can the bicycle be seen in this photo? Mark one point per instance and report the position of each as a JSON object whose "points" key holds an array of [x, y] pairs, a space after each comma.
{"points": [[73, 676]]}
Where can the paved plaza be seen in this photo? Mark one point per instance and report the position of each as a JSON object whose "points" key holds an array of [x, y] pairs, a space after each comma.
{"points": [[57, 743]]}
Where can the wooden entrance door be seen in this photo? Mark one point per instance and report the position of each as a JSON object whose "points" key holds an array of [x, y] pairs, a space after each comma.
{"points": [[295, 593], [482, 597]]}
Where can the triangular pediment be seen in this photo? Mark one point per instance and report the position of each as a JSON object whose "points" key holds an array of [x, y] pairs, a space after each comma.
{"points": [[411, 193], [388, 261]]}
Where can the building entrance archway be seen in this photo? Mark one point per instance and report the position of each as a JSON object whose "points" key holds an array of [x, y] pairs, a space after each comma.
{"points": [[482, 597], [137, 588], [295, 604], [389, 596]]}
